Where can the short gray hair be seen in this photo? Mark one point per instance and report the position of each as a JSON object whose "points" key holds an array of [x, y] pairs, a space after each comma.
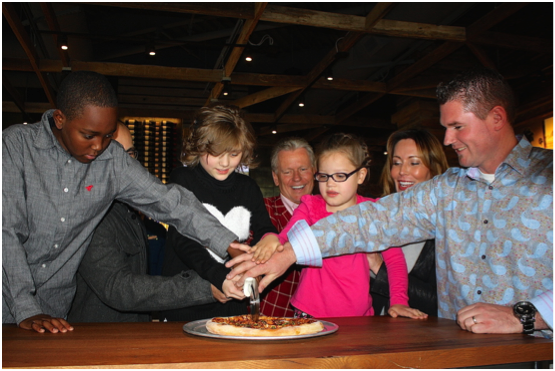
{"points": [[291, 144]]}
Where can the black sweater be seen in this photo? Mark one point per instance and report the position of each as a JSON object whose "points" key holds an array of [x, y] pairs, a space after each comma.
{"points": [[238, 194]]}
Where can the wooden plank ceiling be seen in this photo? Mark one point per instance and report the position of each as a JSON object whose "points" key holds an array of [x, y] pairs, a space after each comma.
{"points": [[383, 56]]}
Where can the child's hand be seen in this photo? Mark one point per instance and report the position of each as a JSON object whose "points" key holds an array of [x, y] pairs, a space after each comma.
{"points": [[405, 311], [265, 248], [44, 322]]}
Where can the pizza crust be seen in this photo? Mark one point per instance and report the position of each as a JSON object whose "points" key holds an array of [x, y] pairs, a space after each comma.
{"points": [[229, 330]]}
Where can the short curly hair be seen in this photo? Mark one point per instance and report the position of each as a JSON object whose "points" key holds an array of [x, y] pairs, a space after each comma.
{"points": [[216, 130], [84, 88], [479, 90]]}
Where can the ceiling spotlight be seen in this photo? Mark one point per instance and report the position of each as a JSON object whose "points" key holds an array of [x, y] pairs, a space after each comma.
{"points": [[226, 90], [274, 129], [248, 58], [62, 42], [301, 102], [329, 75], [150, 50]]}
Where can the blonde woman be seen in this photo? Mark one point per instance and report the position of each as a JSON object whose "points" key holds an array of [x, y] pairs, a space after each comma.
{"points": [[413, 156]]}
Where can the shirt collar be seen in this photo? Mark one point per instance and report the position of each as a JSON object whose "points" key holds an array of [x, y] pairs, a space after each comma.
{"points": [[45, 138], [518, 159], [289, 205]]}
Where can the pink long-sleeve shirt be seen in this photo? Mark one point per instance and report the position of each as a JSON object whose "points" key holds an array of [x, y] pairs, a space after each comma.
{"points": [[341, 287]]}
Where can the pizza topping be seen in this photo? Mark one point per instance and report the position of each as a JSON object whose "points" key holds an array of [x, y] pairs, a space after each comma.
{"points": [[263, 322]]}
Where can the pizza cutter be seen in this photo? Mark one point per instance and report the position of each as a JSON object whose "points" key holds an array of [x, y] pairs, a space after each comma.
{"points": [[250, 288]]}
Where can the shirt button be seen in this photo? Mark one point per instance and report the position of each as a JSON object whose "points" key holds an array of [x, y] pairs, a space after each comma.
{"points": [[66, 190], [490, 187], [486, 221], [479, 292], [69, 161], [55, 246], [483, 257], [44, 265], [63, 219]]}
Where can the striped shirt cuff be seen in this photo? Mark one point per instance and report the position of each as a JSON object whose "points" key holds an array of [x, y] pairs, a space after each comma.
{"points": [[304, 244], [544, 305]]}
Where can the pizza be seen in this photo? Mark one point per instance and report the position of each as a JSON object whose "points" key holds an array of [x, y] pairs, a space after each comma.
{"points": [[243, 325]]}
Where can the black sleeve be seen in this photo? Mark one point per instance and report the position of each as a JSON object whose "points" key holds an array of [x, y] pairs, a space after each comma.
{"points": [[106, 271], [197, 258]]}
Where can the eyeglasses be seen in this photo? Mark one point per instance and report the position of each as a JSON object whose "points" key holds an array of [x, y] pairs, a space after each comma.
{"points": [[337, 177], [133, 152]]}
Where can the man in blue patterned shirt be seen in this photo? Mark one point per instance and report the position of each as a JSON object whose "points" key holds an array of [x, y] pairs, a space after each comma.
{"points": [[492, 219]]}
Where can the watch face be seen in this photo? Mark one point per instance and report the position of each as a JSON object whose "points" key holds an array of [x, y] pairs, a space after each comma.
{"points": [[524, 308]]}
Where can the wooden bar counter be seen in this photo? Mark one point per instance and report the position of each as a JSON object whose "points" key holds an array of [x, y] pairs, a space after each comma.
{"points": [[360, 342]]}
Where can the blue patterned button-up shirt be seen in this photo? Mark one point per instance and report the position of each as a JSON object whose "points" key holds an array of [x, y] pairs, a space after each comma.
{"points": [[494, 242]]}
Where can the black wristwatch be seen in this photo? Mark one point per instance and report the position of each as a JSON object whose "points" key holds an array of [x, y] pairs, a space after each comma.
{"points": [[526, 313]]}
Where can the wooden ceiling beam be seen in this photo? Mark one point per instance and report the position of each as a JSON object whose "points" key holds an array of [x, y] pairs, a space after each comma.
{"points": [[226, 9], [246, 31], [353, 23], [263, 95], [378, 12], [307, 17], [195, 74], [21, 34], [147, 71]]}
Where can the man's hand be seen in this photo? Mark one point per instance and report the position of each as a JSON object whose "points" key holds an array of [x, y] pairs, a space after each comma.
{"points": [[492, 319], [43, 322], [272, 269]]}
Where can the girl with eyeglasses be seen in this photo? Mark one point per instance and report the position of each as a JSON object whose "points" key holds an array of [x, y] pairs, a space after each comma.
{"points": [[341, 287]]}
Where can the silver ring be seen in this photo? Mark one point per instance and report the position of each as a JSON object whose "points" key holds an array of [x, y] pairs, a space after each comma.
{"points": [[474, 320]]}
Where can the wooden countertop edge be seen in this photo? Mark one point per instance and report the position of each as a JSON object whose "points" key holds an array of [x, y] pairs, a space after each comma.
{"points": [[442, 358]]}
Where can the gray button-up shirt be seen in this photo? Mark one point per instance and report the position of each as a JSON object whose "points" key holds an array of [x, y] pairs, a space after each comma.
{"points": [[51, 204]]}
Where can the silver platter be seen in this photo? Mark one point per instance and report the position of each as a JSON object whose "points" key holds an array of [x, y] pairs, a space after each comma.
{"points": [[199, 328]]}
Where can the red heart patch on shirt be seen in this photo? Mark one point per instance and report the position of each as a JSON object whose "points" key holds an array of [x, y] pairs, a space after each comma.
{"points": [[89, 188]]}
